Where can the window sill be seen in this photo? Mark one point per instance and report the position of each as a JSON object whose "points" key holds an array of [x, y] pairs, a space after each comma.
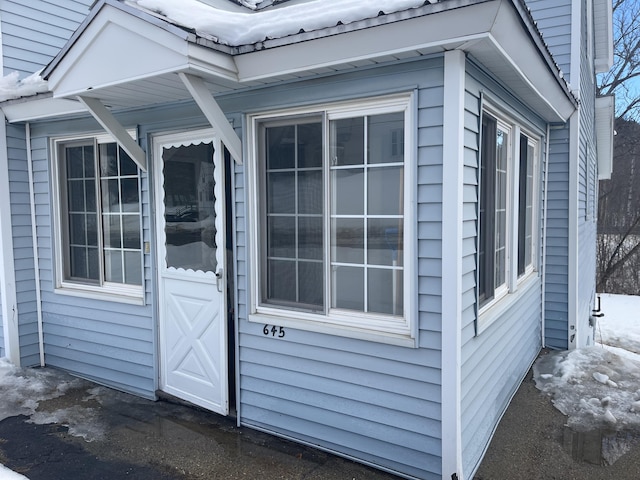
{"points": [[111, 293], [489, 314], [333, 326]]}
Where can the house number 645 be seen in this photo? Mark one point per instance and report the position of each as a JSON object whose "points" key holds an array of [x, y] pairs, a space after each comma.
{"points": [[273, 331]]}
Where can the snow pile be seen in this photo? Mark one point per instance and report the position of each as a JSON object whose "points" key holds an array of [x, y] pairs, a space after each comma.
{"points": [[6, 474], [245, 28], [12, 87], [598, 387], [22, 389]]}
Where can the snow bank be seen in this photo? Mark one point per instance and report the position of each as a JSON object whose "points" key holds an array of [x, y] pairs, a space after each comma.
{"points": [[245, 28], [6, 474]]}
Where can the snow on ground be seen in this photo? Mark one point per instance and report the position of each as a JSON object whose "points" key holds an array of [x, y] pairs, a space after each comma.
{"points": [[598, 387]]}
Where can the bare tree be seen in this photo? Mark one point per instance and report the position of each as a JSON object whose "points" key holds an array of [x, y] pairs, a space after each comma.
{"points": [[620, 80]]}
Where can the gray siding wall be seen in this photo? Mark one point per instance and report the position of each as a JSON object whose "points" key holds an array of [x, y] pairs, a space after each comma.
{"points": [[495, 361], [110, 342], [377, 402], [33, 31], [553, 18], [586, 188], [23, 246], [2, 351]]}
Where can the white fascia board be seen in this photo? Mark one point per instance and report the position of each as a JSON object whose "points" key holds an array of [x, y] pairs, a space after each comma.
{"points": [[117, 131], [37, 108], [603, 33], [605, 114], [451, 27]]}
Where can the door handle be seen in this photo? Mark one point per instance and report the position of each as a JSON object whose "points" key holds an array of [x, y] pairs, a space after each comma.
{"points": [[219, 279]]}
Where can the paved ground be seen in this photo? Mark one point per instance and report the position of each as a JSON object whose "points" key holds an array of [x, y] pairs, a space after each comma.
{"points": [[143, 440], [532, 443]]}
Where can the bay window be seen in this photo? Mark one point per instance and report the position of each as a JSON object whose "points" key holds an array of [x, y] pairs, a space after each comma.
{"points": [[331, 209], [506, 208]]}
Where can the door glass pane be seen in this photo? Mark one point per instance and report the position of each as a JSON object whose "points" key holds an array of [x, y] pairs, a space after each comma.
{"points": [[189, 207]]}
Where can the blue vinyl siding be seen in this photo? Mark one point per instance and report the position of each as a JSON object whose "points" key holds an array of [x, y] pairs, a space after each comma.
{"points": [[553, 18], [377, 402], [33, 31], [495, 361], [23, 246], [109, 342], [2, 352]]}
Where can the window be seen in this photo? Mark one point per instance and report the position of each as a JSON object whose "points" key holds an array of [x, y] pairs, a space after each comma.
{"points": [[331, 211], [506, 208], [98, 217]]}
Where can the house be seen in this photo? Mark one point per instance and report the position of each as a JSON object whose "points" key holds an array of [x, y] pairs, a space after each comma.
{"points": [[354, 228]]}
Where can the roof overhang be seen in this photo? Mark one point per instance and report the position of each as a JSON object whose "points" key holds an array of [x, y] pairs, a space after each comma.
{"points": [[129, 58]]}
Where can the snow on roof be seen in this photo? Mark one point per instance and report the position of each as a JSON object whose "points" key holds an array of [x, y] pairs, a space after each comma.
{"points": [[237, 28], [11, 86]]}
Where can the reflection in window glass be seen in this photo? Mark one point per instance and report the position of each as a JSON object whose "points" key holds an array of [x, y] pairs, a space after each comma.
{"points": [[190, 207]]}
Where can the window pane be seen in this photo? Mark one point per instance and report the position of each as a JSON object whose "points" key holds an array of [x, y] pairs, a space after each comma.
{"points": [[110, 195], [310, 238], [282, 280], [129, 195], [132, 268], [386, 138], [127, 166], [90, 195], [348, 288], [281, 192], [385, 293], [131, 231], [347, 142], [111, 231], [347, 191], [76, 195], [113, 266], [94, 263], [311, 283], [385, 241], [281, 238], [281, 147], [77, 229], [310, 192], [310, 145], [385, 191], [78, 262], [108, 160], [347, 240]]}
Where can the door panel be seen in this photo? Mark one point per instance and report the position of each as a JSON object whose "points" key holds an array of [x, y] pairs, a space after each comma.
{"points": [[191, 309]]}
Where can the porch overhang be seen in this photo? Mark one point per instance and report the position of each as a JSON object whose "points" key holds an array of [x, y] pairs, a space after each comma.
{"points": [[128, 58]]}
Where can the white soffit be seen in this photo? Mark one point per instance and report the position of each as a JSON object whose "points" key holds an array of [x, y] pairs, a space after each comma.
{"points": [[40, 107], [605, 113], [603, 35]]}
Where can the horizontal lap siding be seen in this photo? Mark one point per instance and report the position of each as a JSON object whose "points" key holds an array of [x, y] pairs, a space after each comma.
{"points": [[23, 246], [2, 351], [557, 242], [109, 342], [33, 31], [375, 402], [553, 18], [587, 191], [495, 361]]}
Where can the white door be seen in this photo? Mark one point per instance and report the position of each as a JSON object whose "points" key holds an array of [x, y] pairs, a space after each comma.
{"points": [[190, 246]]}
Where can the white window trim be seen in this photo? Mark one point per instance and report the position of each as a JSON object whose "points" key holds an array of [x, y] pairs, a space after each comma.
{"points": [[108, 291], [387, 329], [506, 295]]}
